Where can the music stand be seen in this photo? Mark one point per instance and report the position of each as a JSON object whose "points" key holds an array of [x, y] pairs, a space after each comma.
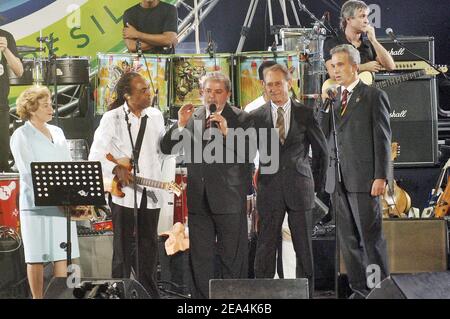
{"points": [[67, 184]]}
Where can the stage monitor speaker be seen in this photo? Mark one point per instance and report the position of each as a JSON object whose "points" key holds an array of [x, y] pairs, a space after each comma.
{"points": [[258, 288], [414, 120], [414, 286], [130, 289], [96, 255], [415, 245]]}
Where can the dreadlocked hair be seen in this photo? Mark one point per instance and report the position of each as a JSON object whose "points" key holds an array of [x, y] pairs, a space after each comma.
{"points": [[122, 87]]}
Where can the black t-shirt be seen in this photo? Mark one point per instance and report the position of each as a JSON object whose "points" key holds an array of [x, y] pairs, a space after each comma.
{"points": [[4, 77], [366, 49], [162, 18]]}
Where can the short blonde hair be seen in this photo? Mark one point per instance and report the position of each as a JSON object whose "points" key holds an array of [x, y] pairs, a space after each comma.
{"points": [[28, 100]]}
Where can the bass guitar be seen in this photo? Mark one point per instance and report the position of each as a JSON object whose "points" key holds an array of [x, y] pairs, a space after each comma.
{"points": [[439, 202], [395, 201], [368, 78], [116, 187]]}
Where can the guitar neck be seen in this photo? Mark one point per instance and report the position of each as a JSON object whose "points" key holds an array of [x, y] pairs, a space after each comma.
{"points": [[399, 79], [150, 183]]}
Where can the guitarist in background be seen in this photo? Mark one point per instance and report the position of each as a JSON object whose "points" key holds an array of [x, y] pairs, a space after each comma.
{"points": [[355, 23], [112, 136]]}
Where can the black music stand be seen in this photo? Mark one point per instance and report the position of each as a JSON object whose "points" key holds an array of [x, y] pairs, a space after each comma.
{"points": [[67, 184]]}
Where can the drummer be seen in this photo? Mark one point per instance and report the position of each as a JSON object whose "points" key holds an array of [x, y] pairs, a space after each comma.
{"points": [[44, 227], [9, 58], [152, 24]]}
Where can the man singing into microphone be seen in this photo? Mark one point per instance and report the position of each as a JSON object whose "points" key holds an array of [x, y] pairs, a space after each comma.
{"points": [[152, 25], [9, 58], [216, 187], [355, 23]]}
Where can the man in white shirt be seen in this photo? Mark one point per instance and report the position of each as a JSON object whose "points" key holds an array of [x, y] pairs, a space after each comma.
{"points": [[146, 127], [261, 100]]}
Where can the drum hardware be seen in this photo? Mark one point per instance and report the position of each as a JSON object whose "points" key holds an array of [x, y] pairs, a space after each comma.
{"points": [[10, 233], [29, 49]]}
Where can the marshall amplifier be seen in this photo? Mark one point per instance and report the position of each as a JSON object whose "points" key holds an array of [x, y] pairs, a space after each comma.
{"points": [[422, 46], [414, 120]]}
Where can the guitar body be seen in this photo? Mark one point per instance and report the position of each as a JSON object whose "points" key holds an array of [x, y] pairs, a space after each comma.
{"points": [[443, 203], [396, 204], [116, 188]]}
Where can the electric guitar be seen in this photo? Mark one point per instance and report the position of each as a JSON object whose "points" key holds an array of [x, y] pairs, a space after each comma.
{"points": [[116, 187], [439, 202], [368, 78], [395, 201]]}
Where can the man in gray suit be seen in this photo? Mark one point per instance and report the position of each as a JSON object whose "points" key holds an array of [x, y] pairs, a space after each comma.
{"points": [[290, 188], [217, 185], [361, 116]]}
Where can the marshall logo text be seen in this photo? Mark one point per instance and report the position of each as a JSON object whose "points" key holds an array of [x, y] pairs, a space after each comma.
{"points": [[400, 51], [401, 114]]}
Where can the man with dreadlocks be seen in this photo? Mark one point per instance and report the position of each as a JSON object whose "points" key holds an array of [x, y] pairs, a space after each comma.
{"points": [[146, 127]]}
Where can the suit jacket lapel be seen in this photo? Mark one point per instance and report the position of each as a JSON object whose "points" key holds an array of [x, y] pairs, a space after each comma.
{"points": [[351, 104], [294, 108]]}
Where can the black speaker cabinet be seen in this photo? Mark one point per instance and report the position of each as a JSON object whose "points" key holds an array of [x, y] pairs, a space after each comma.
{"points": [[258, 288], [414, 286], [414, 120], [422, 46], [415, 245]]}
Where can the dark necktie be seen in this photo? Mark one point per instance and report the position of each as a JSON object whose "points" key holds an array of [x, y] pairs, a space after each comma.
{"points": [[280, 125], [344, 101]]}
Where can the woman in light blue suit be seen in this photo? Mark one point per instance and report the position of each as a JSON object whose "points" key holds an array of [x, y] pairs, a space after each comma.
{"points": [[43, 227]]}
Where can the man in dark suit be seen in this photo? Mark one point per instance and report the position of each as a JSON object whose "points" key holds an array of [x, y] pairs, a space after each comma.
{"points": [[290, 188], [217, 183], [363, 137]]}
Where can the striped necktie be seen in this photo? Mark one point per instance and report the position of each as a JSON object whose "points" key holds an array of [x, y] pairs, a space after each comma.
{"points": [[280, 124], [344, 102]]}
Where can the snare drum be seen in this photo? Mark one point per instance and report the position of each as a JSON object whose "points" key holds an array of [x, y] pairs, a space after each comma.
{"points": [[69, 71], [9, 197]]}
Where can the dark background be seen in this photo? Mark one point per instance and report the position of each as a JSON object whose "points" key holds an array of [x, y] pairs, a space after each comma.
{"points": [[405, 17]]}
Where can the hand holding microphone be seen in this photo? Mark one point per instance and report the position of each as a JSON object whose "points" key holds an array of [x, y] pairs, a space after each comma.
{"points": [[217, 120]]}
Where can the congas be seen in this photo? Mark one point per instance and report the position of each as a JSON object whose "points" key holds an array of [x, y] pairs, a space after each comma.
{"points": [[248, 84], [187, 71], [9, 198], [180, 211], [69, 71], [112, 66], [79, 149], [27, 76]]}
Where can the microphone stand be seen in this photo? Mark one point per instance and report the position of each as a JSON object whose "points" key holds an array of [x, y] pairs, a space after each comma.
{"points": [[312, 16], [52, 64], [155, 100], [402, 45], [339, 180], [135, 167]]}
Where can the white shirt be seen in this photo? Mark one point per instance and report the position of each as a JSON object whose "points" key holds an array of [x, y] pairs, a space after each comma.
{"points": [[349, 89], [255, 104], [112, 137], [287, 115]]}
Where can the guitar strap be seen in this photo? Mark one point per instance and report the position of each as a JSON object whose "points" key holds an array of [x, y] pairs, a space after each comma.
{"points": [[140, 137]]}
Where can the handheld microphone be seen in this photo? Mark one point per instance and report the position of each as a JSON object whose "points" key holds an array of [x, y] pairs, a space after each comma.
{"points": [[212, 110], [331, 97], [391, 34]]}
